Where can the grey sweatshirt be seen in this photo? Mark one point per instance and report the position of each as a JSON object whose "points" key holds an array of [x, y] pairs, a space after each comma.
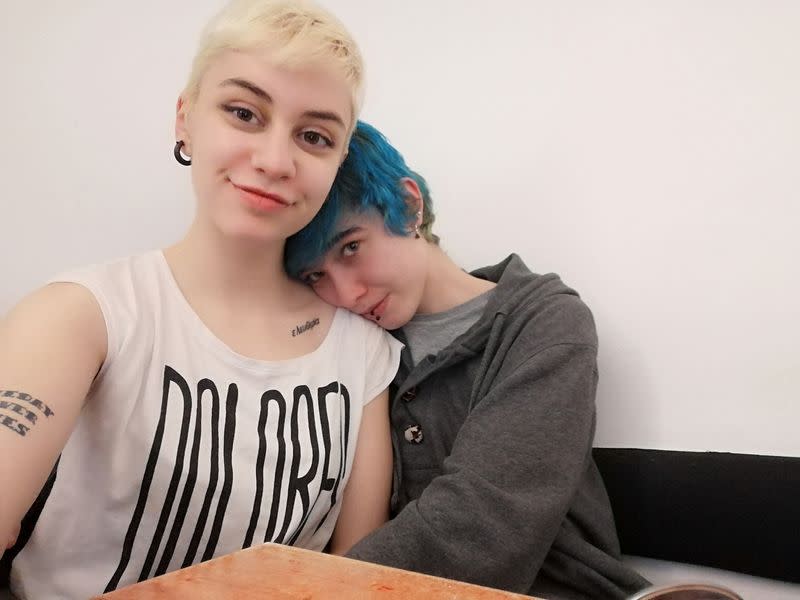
{"points": [[494, 480]]}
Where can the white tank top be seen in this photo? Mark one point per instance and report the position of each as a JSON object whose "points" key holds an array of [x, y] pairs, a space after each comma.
{"points": [[186, 450]]}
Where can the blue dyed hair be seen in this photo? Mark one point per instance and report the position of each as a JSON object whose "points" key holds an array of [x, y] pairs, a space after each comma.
{"points": [[369, 179]]}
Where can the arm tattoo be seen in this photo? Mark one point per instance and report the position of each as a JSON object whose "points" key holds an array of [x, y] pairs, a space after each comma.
{"points": [[20, 411]]}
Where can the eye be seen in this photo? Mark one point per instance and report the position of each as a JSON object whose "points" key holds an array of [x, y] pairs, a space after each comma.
{"points": [[315, 138], [350, 248], [241, 113], [313, 277]]}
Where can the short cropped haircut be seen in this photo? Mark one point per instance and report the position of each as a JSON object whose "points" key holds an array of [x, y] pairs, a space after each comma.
{"points": [[296, 33], [369, 179]]}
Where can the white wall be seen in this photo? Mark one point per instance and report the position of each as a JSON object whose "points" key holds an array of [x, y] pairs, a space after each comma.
{"points": [[646, 151]]}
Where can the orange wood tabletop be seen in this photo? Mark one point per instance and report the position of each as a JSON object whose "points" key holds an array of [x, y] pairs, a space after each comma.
{"points": [[282, 573]]}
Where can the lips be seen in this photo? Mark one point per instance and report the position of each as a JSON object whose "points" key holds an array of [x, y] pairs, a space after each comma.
{"points": [[259, 199], [377, 310]]}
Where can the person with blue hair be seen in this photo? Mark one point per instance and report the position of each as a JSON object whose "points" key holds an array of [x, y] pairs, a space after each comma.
{"points": [[493, 408]]}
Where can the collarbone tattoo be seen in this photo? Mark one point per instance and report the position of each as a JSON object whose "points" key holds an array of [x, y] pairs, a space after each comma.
{"points": [[307, 326]]}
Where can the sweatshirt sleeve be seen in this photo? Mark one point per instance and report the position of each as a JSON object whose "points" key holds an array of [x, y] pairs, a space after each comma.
{"points": [[492, 514]]}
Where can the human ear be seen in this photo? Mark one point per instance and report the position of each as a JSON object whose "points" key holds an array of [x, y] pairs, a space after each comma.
{"points": [[181, 128], [413, 198]]}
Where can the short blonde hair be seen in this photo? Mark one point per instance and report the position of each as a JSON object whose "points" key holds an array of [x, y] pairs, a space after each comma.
{"points": [[296, 33]]}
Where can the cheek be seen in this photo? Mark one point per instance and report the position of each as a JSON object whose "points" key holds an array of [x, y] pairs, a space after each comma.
{"points": [[210, 154], [407, 260], [326, 292], [320, 180], [378, 271]]}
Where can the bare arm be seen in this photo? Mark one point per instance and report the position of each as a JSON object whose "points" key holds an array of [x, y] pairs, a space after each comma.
{"points": [[51, 346], [12, 540], [365, 505]]}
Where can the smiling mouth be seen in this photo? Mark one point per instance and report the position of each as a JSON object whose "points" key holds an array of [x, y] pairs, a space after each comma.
{"points": [[376, 312], [260, 199]]}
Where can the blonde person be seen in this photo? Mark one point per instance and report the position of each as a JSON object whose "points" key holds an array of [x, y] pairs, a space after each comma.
{"points": [[493, 406], [196, 400]]}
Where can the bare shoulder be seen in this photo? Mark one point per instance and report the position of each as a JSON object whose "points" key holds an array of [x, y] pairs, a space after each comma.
{"points": [[57, 318], [306, 302], [63, 305]]}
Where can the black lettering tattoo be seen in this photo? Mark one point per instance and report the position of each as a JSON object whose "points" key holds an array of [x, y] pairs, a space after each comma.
{"points": [[307, 326], [30, 416], [14, 425], [19, 409]]}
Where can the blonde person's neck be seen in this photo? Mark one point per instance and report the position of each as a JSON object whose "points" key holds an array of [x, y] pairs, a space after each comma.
{"points": [[232, 272]]}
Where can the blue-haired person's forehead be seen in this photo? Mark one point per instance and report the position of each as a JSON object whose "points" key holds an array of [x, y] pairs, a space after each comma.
{"points": [[369, 179]]}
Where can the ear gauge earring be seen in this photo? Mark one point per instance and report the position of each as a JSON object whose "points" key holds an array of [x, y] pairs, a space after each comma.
{"points": [[179, 156], [416, 226]]}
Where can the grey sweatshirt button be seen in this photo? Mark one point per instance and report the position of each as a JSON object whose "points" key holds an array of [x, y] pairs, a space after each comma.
{"points": [[413, 434], [409, 394]]}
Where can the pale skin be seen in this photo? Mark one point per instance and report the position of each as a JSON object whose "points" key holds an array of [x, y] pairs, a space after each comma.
{"points": [[13, 539], [265, 144], [369, 265]]}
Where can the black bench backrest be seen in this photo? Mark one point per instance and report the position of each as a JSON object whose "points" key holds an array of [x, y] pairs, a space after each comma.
{"points": [[738, 512]]}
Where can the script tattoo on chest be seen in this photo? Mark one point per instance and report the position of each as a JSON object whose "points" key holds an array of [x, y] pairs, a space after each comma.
{"points": [[19, 412], [307, 326]]}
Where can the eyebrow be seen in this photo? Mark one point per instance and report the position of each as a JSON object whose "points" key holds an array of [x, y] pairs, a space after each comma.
{"points": [[324, 115], [249, 86], [340, 236]]}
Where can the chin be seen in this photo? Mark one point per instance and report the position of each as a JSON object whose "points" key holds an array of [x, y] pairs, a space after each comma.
{"points": [[392, 322], [254, 232]]}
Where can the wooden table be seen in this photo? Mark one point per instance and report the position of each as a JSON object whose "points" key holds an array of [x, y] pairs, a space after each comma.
{"points": [[284, 573]]}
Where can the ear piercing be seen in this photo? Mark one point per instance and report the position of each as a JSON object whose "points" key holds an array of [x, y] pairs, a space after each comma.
{"points": [[179, 156]]}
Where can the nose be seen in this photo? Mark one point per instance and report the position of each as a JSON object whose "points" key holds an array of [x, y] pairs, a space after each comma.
{"points": [[274, 153], [347, 290]]}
